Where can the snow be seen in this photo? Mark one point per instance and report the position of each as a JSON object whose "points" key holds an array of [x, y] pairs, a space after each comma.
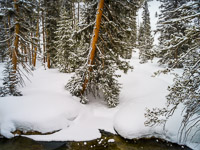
{"points": [[111, 140], [140, 91], [46, 106]]}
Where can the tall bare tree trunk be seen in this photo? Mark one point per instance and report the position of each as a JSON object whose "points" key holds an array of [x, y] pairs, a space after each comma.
{"points": [[25, 52], [94, 39], [37, 35], [48, 55], [43, 34], [16, 41], [32, 53], [48, 60]]}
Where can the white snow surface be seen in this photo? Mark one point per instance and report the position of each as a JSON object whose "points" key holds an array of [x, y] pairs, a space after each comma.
{"points": [[46, 106]]}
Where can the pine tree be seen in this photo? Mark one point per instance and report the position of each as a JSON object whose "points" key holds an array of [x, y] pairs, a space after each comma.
{"points": [[156, 14], [145, 38], [52, 9], [10, 81], [3, 45], [98, 75], [185, 89], [17, 27], [170, 33], [141, 40], [6, 12], [66, 52]]}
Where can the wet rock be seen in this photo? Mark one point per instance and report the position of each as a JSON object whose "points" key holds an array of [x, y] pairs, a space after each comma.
{"points": [[20, 143]]}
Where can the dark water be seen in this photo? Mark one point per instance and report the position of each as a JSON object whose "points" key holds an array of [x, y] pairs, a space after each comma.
{"points": [[107, 141]]}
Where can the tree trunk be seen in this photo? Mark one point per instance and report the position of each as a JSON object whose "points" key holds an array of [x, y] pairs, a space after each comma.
{"points": [[32, 53], [43, 34], [94, 39], [25, 52], [37, 35], [16, 41], [48, 60]]}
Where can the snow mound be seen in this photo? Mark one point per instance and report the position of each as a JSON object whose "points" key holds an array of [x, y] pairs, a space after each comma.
{"points": [[141, 91], [38, 115]]}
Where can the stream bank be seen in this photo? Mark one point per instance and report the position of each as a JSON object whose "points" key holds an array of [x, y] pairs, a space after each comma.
{"points": [[108, 141]]}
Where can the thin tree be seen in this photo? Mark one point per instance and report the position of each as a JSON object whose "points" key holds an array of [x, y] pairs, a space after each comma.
{"points": [[105, 54], [36, 36], [65, 44], [145, 38], [94, 40], [52, 9]]}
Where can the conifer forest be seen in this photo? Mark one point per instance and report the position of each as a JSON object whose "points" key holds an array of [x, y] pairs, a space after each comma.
{"points": [[71, 67]]}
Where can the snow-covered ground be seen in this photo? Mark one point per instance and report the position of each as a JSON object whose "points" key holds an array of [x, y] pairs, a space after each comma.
{"points": [[46, 106]]}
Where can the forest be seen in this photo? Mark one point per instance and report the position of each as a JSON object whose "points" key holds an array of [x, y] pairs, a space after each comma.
{"points": [[99, 53]]}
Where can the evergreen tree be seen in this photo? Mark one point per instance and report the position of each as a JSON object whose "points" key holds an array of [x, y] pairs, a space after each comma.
{"points": [[156, 14], [145, 38], [10, 81], [141, 40], [185, 89], [66, 54], [52, 9], [6, 12], [17, 28], [99, 76], [170, 33], [3, 45]]}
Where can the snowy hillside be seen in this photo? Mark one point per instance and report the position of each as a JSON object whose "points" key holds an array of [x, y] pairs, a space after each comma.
{"points": [[46, 106]]}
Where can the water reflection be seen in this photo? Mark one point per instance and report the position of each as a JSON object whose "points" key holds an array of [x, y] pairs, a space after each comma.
{"points": [[107, 141]]}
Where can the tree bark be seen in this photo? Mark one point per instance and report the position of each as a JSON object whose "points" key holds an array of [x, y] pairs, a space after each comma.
{"points": [[25, 52], [43, 34], [16, 41], [32, 53], [37, 35], [94, 40], [48, 60]]}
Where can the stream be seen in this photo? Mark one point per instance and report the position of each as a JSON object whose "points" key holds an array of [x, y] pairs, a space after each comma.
{"points": [[108, 141]]}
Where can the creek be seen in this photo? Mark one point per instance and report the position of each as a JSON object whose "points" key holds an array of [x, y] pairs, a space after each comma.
{"points": [[108, 141]]}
